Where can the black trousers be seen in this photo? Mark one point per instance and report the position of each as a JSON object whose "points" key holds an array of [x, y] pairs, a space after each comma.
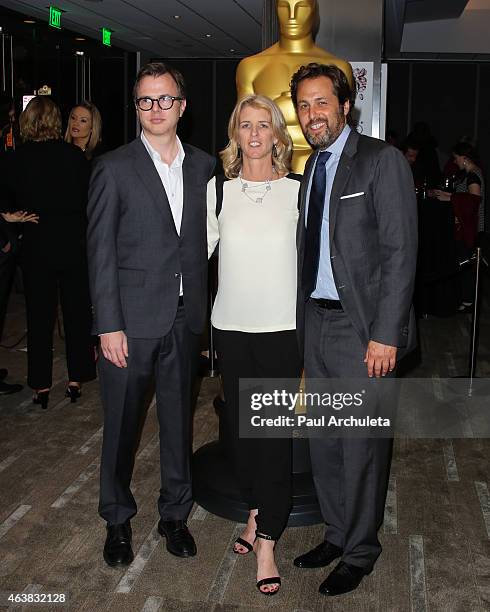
{"points": [[7, 269], [262, 466], [43, 282], [170, 361], [350, 474]]}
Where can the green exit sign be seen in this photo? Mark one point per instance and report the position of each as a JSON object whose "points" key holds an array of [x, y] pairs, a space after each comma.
{"points": [[55, 17], [106, 37]]}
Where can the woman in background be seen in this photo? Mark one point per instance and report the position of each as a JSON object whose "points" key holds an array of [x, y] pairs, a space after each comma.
{"points": [[49, 178], [254, 314], [469, 209], [84, 128]]}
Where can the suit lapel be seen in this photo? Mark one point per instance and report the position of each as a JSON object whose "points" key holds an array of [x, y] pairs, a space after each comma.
{"points": [[342, 175], [188, 182], [145, 168]]}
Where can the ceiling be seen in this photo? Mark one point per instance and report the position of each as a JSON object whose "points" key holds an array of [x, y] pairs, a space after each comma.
{"points": [[233, 28], [462, 36], [166, 28], [432, 10]]}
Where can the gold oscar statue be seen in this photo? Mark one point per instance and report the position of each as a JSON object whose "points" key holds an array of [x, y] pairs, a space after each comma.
{"points": [[270, 71]]}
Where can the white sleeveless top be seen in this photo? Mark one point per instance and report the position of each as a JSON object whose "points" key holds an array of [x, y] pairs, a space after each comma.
{"points": [[257, 257]]}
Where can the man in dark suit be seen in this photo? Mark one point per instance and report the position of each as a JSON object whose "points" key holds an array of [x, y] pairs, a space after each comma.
{"points": [[357, 244], [147, 254]]}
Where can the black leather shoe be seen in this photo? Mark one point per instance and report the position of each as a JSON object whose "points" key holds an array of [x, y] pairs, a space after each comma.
{"points": [[7, 389], [179, 539], [117, 548], [320, 556], [343, 579]]}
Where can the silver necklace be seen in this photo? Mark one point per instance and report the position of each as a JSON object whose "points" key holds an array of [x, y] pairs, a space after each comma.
{"points": [[256, 189]]}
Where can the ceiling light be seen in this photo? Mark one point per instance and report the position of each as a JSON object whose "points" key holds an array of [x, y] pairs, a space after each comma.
{"points": [[176, 16], [80, 38], [79, 53], [29, 21], [207, 35], [232, 50]]}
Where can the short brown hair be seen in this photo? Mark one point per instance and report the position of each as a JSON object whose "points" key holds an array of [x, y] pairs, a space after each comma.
{"points": [[41, 120], [157, 69], [341, 86]]}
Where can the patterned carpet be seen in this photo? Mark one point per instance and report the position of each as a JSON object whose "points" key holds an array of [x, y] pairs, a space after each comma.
{"points": [[436, 535]]}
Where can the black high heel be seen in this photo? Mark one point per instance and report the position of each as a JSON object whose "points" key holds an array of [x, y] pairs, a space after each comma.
{"points": [[41, 398], [73, 392], [245, 544], [272, 579], [240, 541]]}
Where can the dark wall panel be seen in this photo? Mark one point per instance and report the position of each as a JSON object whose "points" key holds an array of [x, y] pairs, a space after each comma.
{"points": [[397, 98], [443, 95], [196, 125], [483, 132], [225, 99], [108, 96]]}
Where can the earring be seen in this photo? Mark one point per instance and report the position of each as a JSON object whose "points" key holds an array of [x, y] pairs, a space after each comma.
{"points": [[274, 150]]}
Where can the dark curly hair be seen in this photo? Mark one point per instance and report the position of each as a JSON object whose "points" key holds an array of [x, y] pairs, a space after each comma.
{"points": [[341, 86]]}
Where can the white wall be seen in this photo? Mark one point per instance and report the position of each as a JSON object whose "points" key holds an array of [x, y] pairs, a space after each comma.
{"points": [[468, 34]]}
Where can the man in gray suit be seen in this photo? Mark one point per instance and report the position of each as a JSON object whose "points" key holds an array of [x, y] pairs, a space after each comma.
{"points": [[148, 273], [357, 245]]}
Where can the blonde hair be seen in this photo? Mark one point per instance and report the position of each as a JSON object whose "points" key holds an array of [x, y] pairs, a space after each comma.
{"points": [[281, 158], [96, 131], [41, 120]]}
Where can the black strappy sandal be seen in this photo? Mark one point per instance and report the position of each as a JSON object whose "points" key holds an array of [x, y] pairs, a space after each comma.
{"points": [[272, 579], [243, 543]]}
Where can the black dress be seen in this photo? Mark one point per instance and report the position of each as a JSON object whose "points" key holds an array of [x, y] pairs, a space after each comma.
{"points": [[50, 178]]}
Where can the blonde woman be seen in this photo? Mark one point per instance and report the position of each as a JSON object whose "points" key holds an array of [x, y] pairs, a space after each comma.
{"points": [[254, 312], [84, 127]]}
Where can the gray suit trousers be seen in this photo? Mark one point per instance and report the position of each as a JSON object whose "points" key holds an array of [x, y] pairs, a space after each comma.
{"points": [[350, 474], [171, 362]]}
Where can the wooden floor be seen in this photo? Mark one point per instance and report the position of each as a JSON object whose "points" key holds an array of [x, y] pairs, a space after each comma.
{"points": [[436, 536]]}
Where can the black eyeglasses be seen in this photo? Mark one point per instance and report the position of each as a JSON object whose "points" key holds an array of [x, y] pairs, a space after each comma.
{"points": [[164, 102]]}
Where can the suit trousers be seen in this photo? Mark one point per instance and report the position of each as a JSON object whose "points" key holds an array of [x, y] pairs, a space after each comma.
{"points": [[171, 362], [43, 282], [262, 466], [350, 474]]}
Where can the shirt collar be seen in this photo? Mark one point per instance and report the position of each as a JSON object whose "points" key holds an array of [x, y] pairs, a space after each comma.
{"points": [[155, 155], [338, 145]]}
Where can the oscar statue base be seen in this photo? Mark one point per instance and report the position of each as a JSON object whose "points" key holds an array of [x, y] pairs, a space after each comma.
{"points": [[216, 490]]}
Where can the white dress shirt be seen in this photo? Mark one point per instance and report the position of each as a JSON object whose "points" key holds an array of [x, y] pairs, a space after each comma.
{"points": [[172, 181], [325, 283], [171, 177]]}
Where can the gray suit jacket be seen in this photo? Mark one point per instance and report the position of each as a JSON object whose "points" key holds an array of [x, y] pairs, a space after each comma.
{"points": [[373, 241], [136, 257]]}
